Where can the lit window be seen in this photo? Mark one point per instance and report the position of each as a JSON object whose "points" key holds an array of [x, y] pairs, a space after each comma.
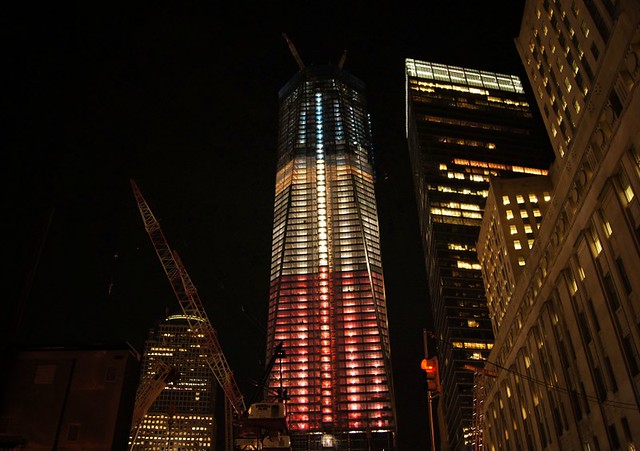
{"points": [[524, 214], [468, 265], [627, 190], [513, 229], [573, 286], [597, 246], [521, 261], [473, 323], [585, 29], [567, 84], [581, 272], [527, 228], [517, 245], [509, 214], [576, 106], [530, 243], [533, 198], [536, 212], [520, 199], [505, 200], [607, 227], [636, 158], [547, 196]]}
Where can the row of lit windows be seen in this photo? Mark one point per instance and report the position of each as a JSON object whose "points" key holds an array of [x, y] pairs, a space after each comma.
{"points": [[473, 124], [523, 213], [301, 293], [296, 288], [349, 332], [468, 265], [455, 213], [513, 229], [461, 247], [484, 164], [302, 279], [459, 190], [355, 370], [477, 105], [456, 221], [463, 76], [471, 345], [466, 142], [460, 205], [533, 198], [517, 244]]}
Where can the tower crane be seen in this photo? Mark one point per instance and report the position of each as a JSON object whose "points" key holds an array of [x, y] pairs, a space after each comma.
{"points": [[194, 311], [294, 51], [161, 374], [201, 327]]}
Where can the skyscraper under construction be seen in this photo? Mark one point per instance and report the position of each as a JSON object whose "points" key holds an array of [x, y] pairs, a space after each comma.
{"points": [[327, 299]]}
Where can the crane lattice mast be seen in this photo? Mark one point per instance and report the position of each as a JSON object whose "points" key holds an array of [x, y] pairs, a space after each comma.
{"points": [[191, 305]]}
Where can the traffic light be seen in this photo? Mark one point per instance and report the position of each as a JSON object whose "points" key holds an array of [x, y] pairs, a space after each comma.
{"points": [[430, 366]]}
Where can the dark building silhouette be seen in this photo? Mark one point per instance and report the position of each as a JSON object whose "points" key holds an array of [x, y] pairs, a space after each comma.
{"points": [[72, 398], [327, 299]]}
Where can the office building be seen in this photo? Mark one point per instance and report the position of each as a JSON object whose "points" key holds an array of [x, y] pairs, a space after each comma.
{"points": [[464, 126], [182, 417], [567, 354], [327, 299], [512, 217], [68, 397]]}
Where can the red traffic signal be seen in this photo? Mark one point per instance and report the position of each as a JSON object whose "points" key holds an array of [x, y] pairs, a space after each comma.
{"points": [[430, 366]]}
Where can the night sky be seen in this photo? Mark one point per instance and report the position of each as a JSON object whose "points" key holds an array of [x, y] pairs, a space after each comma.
{"points": [[182, 97]]}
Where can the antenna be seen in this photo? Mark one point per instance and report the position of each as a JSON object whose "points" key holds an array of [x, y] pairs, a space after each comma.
{"points": [[294, 52], [343, 58]]}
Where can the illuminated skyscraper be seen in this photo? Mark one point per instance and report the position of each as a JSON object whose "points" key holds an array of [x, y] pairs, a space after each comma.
{"points": [[327, 298], [463, 127], [182, 417]]}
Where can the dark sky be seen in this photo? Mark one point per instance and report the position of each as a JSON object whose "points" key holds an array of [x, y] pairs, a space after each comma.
{"points": [[182, 97]]}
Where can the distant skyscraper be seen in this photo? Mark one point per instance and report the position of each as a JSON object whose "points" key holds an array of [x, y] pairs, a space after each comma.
{"points": [[327, 299], [182, 417], [463, 127]]}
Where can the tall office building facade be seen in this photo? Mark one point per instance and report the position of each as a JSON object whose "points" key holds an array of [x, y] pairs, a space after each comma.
{"points": [[512, 219], [327, 299], [463, 127], [570, 341], [182, 417]]}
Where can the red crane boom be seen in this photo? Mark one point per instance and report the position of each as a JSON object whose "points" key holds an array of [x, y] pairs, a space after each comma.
{"points": [[191, 306]]}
